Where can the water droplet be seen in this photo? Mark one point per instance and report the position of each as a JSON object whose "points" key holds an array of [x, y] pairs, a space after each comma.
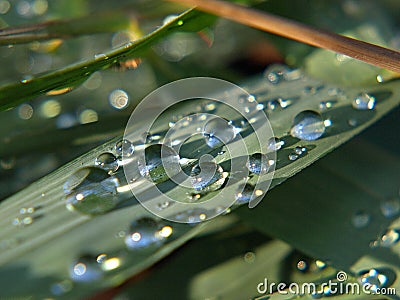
{"points": [[308, 125], [312, 90], [259, 163], [247, 194], [100, 56], [352, 122], [107, 161], [218, 132], [209, 107], [276, 74], [124, 148], [390, 207], [146, 232], [325, 105], [249, 257], [302, 265], [160, 160], [85, 269], [360, 219], [373, 279], [91, 191], [60, 288], [274, 144], [278, 103], [299, 150], [387, 240], [118, 99], [26, 210], [364, 101], [293, 156], [163, 205], [207, 176]]}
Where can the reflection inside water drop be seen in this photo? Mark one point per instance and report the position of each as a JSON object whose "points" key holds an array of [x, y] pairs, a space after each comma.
{"points": [[218, 132], [146, 232], [308, 125], [159, 163], [91, 191]]}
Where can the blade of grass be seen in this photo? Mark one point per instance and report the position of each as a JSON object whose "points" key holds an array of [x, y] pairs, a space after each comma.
{"points": [[75, 74], [369, 53], [99, 23]]}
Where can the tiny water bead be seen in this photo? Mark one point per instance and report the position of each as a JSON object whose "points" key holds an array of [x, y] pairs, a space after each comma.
{"points": [[373, 280], [259, 163], [360, 219], [218, 132], [91, 191], [207, 176], [247, 194], [107, 161], [85, 269], [124, 148], [159, 161], [390, 207], [274, 144], [299, 150], [364, 101], [293, 156], [146, 232], [325, 105], [308, 125]]}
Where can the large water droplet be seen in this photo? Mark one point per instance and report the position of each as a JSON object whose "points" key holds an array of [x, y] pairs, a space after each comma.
{"points": [[390, 207], [107, 161], [373, 280], [247, 194], [146, 232], [308, 125], [160, 160], [85, 269], [124, 148], [259, 163], [207, 176], [91, 191], [364, 101], [218, 132]]}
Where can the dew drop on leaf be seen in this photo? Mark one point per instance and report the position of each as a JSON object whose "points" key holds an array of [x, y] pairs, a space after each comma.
{"points": [[308, 125], [360, 219], [274, 144], [374, 279], [218, 132], [107, 161], [207, 176], [124, 148], [259, 163], [85, 269], [247, 194], [146, 232], [390, 207], [91, 191], [160, 160], [364, 101]]}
